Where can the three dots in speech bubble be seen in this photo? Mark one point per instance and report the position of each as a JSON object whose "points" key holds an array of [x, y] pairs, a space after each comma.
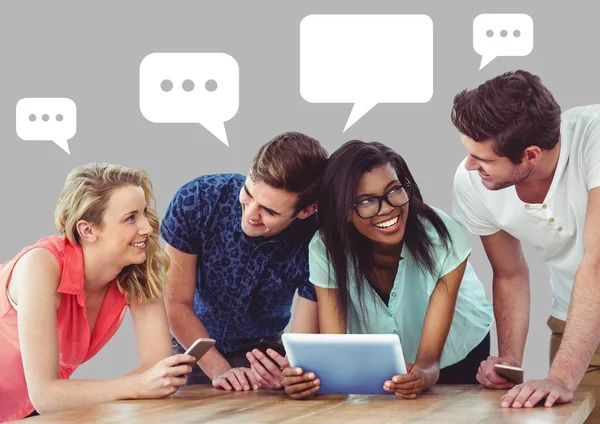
{"points": [[336, 66]]}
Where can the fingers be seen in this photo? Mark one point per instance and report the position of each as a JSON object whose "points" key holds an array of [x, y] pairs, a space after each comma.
{"points": [[273, 368], [487, 377], [272, 377], [263, 383], [281, 360], [535, 397], [552, 398], [526, 392], [406, 395], [490, 375], [405, 378], [222, 383], [291, 372], [237, 379], [303, 390], [178, 381], [297, 379], [251, 378], [180, 358], [394, 387], [179, 370], [517, 396]]}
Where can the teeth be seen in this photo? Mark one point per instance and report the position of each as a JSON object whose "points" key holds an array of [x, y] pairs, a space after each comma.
{"points": [[388, 224], [141, 244], [253, 222]]}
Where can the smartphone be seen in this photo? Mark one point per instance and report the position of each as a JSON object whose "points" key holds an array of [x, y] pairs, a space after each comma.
{"points": [[200, 347], [514, 374], [265, 344]]}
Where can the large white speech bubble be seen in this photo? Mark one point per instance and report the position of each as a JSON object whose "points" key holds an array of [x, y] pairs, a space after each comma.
{"points": [[51, 119], [190, 88], [365, 60], [502, 34]]}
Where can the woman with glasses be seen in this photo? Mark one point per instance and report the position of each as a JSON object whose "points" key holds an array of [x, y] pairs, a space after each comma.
{"points": [[386, 262]]}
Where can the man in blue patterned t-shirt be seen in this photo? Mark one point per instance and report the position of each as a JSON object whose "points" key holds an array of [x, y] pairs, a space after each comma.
{"points": [[238, 249]]}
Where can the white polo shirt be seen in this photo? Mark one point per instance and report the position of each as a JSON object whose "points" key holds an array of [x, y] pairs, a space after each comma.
{"points": [[555, 227]]}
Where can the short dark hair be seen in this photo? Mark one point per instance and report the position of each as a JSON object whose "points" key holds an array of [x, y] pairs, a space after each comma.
{"points": [[293, 162], [513, 110]]}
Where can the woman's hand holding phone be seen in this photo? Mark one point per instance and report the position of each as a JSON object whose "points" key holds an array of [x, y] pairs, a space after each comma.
{"points": [[164, 378]]}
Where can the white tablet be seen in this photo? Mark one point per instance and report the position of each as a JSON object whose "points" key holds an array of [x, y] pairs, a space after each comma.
{"points": [[347, 363]]}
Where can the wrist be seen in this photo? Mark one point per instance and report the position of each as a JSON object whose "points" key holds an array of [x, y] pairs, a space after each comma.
{"points": [[431, 374], [511, 356], [128, 387], [214, 364], [567, 379]]}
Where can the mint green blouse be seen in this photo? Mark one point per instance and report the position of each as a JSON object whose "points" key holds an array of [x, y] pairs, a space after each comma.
{"points": [[405, 313]]}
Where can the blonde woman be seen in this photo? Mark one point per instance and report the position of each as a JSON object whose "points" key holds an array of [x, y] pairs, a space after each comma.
{"points": [[63, 298]]}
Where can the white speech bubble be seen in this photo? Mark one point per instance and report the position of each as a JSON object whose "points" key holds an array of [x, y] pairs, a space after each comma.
{"points": [[190, 88], [52, 119], [365, 60], [502, 34]]}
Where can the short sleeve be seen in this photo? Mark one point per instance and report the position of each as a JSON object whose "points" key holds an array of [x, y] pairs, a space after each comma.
{"points": [[182, 221], [467, 208], [321, 272], [307, 291], [448, 259], [591, 154]]}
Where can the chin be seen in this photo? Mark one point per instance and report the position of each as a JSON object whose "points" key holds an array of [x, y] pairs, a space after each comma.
{"points": [[251, 231], [140, 259]]}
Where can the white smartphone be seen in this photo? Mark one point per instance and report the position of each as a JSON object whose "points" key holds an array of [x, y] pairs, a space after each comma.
{"points": [[514, 374], [200, 347]]}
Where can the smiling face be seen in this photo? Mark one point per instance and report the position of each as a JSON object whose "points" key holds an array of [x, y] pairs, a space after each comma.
{"points": [[496, 172], [267, 211], [388, 226], [124, 228]]}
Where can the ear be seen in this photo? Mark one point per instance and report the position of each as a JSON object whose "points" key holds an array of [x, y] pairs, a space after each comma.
{"points": [[532, 155], [86, 231], [307, 211]]}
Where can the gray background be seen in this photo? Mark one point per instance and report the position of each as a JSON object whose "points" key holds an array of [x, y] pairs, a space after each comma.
{"points": [[91, 51]]}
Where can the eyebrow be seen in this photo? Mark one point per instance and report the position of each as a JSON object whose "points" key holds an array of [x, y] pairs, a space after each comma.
{"points": [[387, 187], [134, 212], [264, 207], [480, 158]]}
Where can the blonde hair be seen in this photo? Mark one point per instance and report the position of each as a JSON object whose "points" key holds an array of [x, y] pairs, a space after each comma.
{"points": [[85, 196]]}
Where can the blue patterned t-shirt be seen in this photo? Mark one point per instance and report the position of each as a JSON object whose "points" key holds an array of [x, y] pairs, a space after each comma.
{"points": [[244, 285]]}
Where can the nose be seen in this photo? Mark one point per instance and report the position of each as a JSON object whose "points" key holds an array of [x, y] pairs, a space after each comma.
{"points": [[471, 164], [252, 211], [145, 229], [386, 208]]}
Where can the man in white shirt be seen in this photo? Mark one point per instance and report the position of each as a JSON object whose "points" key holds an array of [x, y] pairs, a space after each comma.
{"points": [[532, 175]]}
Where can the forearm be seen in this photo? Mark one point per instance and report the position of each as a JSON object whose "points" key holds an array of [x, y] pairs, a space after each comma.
{"points": [[62, 394], [582, 332], [187, 327], [306, 317], [511, 310]]}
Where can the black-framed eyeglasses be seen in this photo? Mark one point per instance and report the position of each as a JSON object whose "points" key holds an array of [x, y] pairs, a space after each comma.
{"points": [[397, 196]]}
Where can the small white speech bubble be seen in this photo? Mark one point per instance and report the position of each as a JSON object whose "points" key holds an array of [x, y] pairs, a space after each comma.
{"points": [[53, 119], [502, 34], [190, 88], [365, 60]]}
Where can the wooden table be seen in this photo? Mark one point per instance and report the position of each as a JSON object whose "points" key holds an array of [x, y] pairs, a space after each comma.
{"points": [[442, 404]]}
